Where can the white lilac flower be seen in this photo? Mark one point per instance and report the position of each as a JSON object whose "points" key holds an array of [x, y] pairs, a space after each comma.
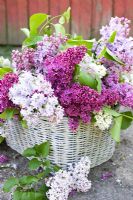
{"points": [[2, 131], [60, 186], [80, 173], [128, 77], [38, 100], [89, 65], [26, 112], [59, 113], [103, 120], [65, 181], [34, 95], [53, 101], [49, 110], [98, 69], [4, 62]]}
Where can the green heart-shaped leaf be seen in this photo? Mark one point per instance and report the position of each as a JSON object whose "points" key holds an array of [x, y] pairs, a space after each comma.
{"points": [[35, 22], [10, 183], [87, 79], [116, 128]]}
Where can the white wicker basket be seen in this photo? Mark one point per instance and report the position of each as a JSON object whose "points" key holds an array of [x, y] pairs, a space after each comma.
{"points": [[66, 147]]}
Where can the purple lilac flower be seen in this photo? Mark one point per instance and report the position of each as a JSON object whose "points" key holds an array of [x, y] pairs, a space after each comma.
{"points": [[78, 102], [23, 60], [1, 121], [122, 46], [125, 52], [60, 69], [126, 94], [34, 59], [47, 48], [110, 89], [111, 96], [73, 123], [5, 84], [3, 159], [121, 25], [123, 49], [106, 175], [111, 80], [115, 92]]}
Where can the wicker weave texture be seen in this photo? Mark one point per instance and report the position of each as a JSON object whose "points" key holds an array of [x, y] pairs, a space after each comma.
{"points": [[66, 147]]}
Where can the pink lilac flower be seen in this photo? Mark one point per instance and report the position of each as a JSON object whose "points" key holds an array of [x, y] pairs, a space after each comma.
{"points": [[5, 84]]}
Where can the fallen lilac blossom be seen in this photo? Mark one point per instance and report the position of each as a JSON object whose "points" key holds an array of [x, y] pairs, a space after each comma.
{"points": [[65, 182], [106, 175], [3, 159]]}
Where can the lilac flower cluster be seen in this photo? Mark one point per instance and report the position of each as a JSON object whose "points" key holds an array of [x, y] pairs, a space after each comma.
{"points": [[116, 92], [5, 84], [78, 102], [3, 159], [109, 91], [47, 48], [35, 97], [122, 46], [111, 80], [60, 69], [34, 59], [121, 25], [23, 60], [126, 94], [117, 86], [103, 120], [90, 66], [74, 179]]}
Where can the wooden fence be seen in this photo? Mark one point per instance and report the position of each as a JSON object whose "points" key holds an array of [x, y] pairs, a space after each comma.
{"points": [[87, 15]]}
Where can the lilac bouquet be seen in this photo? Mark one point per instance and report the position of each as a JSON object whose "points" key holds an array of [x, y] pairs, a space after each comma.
{"points": [[56, 75]]}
